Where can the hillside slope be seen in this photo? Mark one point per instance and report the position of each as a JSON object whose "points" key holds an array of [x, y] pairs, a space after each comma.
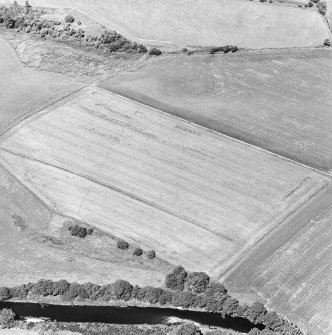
{"points": [[199, 23]]}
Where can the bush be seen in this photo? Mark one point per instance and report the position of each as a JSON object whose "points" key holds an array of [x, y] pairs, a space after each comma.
{"points": [[138, 252], [122, 245], [322, 11], [310, 4], [327, 43], [69, 19], [154, 52], [4, 294], [188, 329], [197, 282], [7, 318], [89, 231], [141, 49], [151, 254], [176, 279], [78, 231]]}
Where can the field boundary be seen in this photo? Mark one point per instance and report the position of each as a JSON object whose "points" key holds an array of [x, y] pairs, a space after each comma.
{"points": [[115, 189], [235, 259], [328, 174], [32, 115]]}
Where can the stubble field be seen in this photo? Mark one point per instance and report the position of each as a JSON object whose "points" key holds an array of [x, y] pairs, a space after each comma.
{"points": [[280, 101], [194, 196]]}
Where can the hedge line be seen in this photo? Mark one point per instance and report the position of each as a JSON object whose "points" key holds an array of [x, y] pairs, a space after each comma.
{"points": [[29, 20], [187, 290]]}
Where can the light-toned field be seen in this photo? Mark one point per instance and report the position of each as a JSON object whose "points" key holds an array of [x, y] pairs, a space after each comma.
{"points": [[29, 255], [23, 91], [17, 332], [216, 22], [198, 198], [280, 101], [292, 269]]}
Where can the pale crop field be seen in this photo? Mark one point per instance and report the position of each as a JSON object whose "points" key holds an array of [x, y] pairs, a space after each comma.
{"points": [[198, 198], [292, 269], [280, 101], [201, 22], [24, 91]]}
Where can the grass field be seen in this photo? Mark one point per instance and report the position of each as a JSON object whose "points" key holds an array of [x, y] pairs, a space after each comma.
{"points": [[155, 180], [292, 269], [280, 101], [23, 91], [216, 22]]}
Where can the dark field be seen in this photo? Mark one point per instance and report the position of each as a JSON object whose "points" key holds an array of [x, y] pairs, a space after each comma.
{"points": [[280, 101]]}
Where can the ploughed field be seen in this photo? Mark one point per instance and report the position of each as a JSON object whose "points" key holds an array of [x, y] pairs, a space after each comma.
{"points": [[203, 23], [292, 269], [198, 198], [280, 100]]}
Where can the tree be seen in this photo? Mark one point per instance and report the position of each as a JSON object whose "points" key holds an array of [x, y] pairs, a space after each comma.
{"points": [[183, 299], [138, 252], [69, 18], [216, 289], [121, 289], [256, 312], [122, 245], [176, 279], [154, 52], [5, 293], [152, 294], [60, 287], [327, 43], [151, 254], [7, 318], [197, 282]]}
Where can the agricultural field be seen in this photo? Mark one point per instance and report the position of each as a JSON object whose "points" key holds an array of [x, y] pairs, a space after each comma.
{"points": [[278, 100], [155, 180], [23, 91], [42, 249], [201, 23], [292, 269]]}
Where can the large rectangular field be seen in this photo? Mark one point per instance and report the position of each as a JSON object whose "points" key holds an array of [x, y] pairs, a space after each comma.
{"points": [[198, 198], [278, 100]]}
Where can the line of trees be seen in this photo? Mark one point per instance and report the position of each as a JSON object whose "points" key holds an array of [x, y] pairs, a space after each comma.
{"points": [[187, 290], [29, 20]]}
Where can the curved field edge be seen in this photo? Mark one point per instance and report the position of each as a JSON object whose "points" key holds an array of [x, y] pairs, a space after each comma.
{"points": [[218, 22], [24, 91], [266, 99], [291, 270], [28, 255]]}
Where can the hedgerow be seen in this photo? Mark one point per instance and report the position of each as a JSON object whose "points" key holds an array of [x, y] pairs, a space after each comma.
{"points": [[186, 290], [29, 20]]}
